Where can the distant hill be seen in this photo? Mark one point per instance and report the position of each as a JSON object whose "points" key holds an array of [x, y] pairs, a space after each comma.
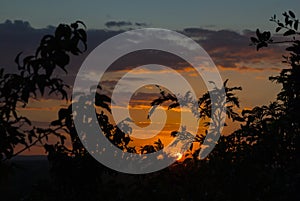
{"points": [[26, 172]]}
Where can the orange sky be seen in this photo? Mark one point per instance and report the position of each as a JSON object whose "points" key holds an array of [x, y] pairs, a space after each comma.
{"points": [[229, 50], [257, 90]]}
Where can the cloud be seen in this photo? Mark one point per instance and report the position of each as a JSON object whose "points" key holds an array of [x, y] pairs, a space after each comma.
{"points": [[141, 24], [228, 49], [231, 49], [249, 69], [110, 24]]}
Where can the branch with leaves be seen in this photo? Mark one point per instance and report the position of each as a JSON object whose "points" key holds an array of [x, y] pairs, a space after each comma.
{"points": [[35, 73], [289, 26]]}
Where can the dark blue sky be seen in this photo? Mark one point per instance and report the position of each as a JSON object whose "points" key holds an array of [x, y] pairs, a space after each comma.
{"points": [[175, 14]]}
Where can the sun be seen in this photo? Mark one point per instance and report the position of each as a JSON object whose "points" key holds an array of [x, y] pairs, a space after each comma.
{"points": [[179, 156]]}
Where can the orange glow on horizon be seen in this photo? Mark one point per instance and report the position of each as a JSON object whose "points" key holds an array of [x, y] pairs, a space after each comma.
{"points": [[179, 156]]}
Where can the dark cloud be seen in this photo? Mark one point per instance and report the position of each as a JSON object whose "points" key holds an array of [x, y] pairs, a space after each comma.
{"points": [[197, 32], [141, 24], [110, 24], [19, 36], [228, 49], [15, 37], [118, 24]]}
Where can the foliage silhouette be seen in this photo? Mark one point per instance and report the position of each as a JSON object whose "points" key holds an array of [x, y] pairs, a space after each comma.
{"points": [[35, 74], [202, 109]]}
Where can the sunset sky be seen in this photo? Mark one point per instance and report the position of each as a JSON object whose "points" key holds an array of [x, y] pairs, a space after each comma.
{"points": [[222, 29]]}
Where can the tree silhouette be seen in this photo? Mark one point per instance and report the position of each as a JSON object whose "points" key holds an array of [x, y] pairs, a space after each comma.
{"points": [[35, 74], [35, 77], [202, 109]]}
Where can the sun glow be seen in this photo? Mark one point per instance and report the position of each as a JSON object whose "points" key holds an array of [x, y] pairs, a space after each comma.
{"points": [[179, 156]]}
